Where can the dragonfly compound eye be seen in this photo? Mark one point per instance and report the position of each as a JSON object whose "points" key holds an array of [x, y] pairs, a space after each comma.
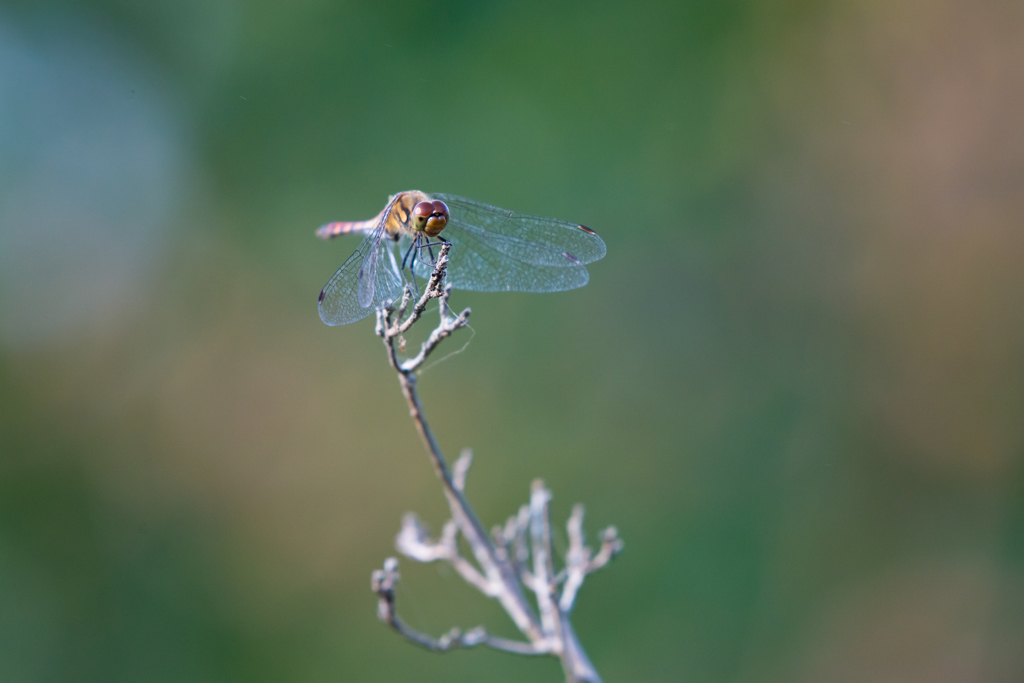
{"points": [[441, 208], [423, 209]]}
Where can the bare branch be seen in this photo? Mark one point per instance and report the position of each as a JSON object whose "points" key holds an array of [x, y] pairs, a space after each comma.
{"points": [[406, 298], [414, 542], [611, 545], [383, 584], [540, 535], [502, 556], [522, 555], [433, 290], [511, 542], [496, 571], [390, 325], [577, 559], [441, 332]]}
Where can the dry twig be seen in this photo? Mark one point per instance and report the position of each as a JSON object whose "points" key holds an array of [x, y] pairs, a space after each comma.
{"points": [[501, 567]]}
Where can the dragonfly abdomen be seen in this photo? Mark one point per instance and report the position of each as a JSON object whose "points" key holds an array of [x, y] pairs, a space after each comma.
{"points": [[329, 230]]}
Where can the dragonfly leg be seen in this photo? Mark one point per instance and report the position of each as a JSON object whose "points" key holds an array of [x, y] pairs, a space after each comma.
{"points": [[412, 264], [440, 240], [427, 245], [407, 252]]}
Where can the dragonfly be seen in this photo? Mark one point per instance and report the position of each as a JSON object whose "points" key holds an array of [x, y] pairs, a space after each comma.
{"points": [[492, 250]]}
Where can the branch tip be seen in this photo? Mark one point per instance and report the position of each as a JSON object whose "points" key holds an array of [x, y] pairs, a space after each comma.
{"points": [[461, 468]]}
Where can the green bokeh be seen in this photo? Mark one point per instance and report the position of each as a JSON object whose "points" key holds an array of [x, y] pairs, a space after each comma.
{"points": [[795, 383]]}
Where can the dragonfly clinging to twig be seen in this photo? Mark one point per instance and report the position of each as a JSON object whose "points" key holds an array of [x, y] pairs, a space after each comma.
{"points": [[492, 250]]}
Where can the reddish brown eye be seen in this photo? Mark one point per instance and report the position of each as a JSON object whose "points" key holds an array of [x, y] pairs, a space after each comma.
{"points": [[423, 209], [440, 207]]}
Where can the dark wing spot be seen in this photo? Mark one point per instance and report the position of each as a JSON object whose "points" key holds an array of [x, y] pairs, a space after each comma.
{"points": [[571, 258], [321, 299], [587, 230]]}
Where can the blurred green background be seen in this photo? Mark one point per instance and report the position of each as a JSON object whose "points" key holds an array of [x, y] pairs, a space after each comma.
{"points": [[796, 382]]}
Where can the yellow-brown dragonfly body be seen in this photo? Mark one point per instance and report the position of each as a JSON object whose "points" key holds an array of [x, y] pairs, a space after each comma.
{"points": [[401, 221]]}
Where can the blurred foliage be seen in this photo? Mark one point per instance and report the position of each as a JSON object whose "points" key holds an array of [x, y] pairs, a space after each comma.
{"points": [[795, 383]]}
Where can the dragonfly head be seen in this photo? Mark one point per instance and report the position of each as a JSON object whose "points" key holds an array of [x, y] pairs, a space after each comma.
{"points": [[430, 217]]}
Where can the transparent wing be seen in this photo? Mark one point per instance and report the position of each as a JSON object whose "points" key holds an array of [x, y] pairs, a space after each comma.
{"points": [[366, 277], [496, 250], [538, 240], [474, 265], [341, 301]]}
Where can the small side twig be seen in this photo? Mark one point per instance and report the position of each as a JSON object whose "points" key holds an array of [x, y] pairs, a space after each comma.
{"points": [[543, 573], [383, 583], [578, 560]]}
